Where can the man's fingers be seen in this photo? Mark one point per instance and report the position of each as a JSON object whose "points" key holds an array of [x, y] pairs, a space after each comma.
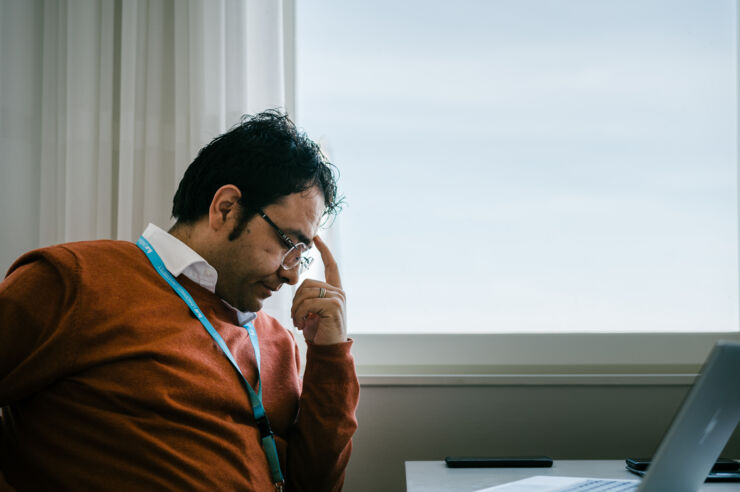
{"points": [[312, 289], [318, 309], [331, 269]]}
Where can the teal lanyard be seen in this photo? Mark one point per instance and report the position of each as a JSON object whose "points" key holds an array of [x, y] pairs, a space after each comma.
{"points": [[268, 438]]}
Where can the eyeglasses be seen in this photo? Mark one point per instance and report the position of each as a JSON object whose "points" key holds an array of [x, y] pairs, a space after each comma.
{"points": [[294, 257]]}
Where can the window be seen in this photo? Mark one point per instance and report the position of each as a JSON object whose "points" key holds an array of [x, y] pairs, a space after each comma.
{"points": [[539, 167]]}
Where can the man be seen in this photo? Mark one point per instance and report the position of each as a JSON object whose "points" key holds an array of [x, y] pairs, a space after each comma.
{"points": [[149, 366]]}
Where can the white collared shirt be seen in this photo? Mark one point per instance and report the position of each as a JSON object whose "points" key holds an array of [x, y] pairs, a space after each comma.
{"points": [[180, 259]]}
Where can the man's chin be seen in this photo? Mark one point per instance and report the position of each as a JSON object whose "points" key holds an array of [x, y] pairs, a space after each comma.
{"points": [[251, 306], [247, 305]]}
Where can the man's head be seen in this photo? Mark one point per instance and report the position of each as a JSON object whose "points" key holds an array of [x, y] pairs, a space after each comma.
{"points": [[266, 158], [261, 166]]}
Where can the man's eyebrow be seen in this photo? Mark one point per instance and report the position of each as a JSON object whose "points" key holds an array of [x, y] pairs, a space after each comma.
{"points": [[301, 237]]}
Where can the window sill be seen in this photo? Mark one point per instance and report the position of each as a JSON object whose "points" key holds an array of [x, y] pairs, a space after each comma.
{"points": [[528, 380], [567, 358]]}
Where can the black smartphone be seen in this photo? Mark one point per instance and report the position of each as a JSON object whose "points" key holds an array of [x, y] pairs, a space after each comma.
{"points": [[498, 462], [722, 464]]}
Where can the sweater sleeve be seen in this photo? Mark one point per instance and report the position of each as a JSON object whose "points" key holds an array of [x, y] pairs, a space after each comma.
{"points": [[35, 297], [320, 442]]}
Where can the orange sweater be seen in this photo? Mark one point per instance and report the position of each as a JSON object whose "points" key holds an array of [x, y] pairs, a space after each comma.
{"points": [[108, 382]]}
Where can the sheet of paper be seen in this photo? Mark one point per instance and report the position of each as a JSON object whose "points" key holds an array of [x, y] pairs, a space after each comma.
{"points": [[542, 483]]}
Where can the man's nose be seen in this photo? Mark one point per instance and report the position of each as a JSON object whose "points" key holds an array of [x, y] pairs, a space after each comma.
{"points": [[289, 276]]}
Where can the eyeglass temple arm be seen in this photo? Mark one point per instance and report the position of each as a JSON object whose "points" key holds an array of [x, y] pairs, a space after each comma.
{"points": [[274, 226]]}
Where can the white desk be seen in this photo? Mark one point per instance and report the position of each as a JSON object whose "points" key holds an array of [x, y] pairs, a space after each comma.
{"points": [[434, 476]]}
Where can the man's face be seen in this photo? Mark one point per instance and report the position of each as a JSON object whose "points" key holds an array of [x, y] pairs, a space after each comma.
{"points": [[249, 267]]}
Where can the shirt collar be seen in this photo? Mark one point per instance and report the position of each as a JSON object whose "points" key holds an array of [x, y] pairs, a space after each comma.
{"points": [[180, 259]]}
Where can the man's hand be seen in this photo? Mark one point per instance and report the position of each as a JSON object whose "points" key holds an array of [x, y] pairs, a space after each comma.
{"points": [[319, 307]]}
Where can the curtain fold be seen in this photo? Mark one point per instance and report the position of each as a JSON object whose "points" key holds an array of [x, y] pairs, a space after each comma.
{"points": [[105, 103]]}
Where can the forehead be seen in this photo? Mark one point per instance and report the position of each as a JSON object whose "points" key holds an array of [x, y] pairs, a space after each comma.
{"points": [[298, 214]]}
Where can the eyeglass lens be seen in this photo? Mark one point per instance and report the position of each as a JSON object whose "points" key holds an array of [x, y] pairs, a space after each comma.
{"points": [[294, 257]]}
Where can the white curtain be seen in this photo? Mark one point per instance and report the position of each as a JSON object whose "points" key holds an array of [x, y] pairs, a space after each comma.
{"points": [[104, 103]]}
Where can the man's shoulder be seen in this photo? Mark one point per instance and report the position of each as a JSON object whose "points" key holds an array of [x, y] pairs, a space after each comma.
{"points": [[83, 255]]}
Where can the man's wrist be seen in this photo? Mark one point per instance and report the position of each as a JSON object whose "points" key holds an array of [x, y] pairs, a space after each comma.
{"points": [[330, 363], [327, 342]]}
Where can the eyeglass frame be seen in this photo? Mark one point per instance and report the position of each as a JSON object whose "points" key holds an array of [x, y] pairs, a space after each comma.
{"points": [[304, 262]]}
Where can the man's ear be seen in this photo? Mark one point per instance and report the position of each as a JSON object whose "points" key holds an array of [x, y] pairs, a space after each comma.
{"points": [[224, 206]]}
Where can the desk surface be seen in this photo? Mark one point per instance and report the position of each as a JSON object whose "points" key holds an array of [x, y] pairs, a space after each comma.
{"points": [[434, 476]]}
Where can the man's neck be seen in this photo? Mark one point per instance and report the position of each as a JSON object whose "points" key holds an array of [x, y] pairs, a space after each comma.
{"points": [[187, 233], [181, 232]]}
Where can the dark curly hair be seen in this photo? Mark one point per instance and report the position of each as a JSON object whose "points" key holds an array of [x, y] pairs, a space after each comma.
{"points": [[267, 158]]}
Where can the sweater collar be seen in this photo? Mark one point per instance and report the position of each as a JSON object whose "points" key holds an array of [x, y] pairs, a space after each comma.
{"points": [[180, 259]]}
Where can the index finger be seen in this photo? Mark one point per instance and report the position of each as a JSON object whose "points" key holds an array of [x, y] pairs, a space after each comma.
{"points": [[331, 269]]}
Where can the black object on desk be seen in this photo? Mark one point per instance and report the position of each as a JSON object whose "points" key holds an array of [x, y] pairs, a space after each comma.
{"points": [[498, 462], [724, 470]]}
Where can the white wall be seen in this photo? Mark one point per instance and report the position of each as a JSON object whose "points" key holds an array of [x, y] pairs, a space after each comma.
{"points": [[407, 423]]}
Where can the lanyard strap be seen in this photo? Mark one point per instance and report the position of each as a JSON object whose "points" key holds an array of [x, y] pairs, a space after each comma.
{"points": [[266, 434]]}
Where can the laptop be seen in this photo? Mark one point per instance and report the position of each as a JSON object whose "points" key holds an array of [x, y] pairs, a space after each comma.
{"points": [[697, 436]]}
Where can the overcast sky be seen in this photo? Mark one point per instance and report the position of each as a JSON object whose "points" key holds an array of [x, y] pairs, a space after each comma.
{"points": [[529, 165]]}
